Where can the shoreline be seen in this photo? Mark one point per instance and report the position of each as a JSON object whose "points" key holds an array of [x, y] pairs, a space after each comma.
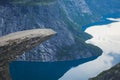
{"points": [[103, 37]]}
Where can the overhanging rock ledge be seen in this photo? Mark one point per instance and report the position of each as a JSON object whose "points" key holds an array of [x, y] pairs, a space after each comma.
{"points": [[15, 44]]}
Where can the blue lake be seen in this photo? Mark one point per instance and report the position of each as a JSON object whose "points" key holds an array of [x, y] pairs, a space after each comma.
{"points": [[58, 70], [42, 70]]}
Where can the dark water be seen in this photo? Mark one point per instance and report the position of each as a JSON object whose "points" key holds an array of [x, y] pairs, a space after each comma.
{"points": [[50, 70], [42, 70]]}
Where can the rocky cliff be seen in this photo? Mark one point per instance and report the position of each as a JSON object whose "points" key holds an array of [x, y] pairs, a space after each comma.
{"points": [[15, 44], [66, 17], [111, 74]]}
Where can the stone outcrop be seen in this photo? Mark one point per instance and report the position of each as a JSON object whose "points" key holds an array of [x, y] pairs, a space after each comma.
{"points": [[64, 16], [15, 44]]}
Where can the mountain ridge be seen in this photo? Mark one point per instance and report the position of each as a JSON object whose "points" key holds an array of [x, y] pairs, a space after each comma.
{"points": [[66, 17]]}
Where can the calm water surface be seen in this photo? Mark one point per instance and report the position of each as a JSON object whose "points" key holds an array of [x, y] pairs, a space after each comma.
{"points": [[105, 36]]}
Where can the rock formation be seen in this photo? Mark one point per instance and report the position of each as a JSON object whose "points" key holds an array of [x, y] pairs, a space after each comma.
{"points": [[15, 44], [64, 16], [111, 74]]}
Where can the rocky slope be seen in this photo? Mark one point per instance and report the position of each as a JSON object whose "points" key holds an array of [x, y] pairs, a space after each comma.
{"points": [[111, 74], [66, 17]]}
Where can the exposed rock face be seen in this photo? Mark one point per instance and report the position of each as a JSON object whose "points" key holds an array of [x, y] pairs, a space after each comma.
{"points": [[15, 44], [64, 16], [111, 74], [69, 44]]}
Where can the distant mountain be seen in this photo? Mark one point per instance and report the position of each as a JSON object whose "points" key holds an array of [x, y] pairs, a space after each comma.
{"points": [[111, 74], [66, 17]]}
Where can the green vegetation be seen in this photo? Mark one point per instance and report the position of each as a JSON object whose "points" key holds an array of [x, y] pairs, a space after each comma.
{"points": [[80, 46], [76, 29], [32, 2], [69, 52], [63, 52], [111, 74], [96, 51]]}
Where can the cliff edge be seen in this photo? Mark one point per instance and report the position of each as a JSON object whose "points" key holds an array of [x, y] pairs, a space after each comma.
{"points": [[15, 44]]}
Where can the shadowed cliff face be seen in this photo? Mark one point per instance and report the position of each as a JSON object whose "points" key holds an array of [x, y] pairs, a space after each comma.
{"points": [[111, 74], [66, 17], [15, 44]]}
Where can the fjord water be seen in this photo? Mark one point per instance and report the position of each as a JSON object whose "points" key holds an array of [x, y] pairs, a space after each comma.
{"points": [[105, 36], [23, 70]]}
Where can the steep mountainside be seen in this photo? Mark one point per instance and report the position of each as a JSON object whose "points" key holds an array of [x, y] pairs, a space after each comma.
{"points": [[66, 17], [111, 74]]}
